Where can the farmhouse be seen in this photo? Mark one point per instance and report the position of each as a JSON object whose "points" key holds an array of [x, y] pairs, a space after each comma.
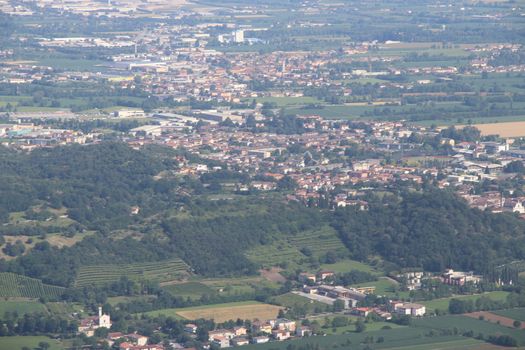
{"points": [[260, 339]]}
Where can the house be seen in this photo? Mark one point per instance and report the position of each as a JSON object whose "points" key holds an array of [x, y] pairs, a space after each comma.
{"points": [[239, 330], [410, 309], [261, 327], [361, 311], [306, 277], [130, 346], [221, 333], [322, 275], [137, 339], [90, 324], [303, 331], [190, 328], [285, 324], [260, 339], [280, 335], [240, 341], [221, 341]]}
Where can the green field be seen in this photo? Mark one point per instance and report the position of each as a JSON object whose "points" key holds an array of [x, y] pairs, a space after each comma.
{"points": [[192, 290], [401, 338], [291, 300], [348, 265], [18, 342], [158, 271], [384, 286], [21, 307], [442, 304], [515, 314], [465, 324], [13, 285]]}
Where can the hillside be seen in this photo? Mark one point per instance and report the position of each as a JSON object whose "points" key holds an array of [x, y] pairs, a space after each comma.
{"points": [[434, 230]]}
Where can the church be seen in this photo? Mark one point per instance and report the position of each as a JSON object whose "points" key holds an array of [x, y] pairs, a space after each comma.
{"points": [[90, 324]]}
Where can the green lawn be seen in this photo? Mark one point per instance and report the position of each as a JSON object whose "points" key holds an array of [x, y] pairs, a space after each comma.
{"points": [[18, 342], [442, 304], [21, 307]]}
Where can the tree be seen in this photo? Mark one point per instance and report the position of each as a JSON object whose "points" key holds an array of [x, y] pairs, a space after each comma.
{"points": [[360, 326], [516, 324], [43, 345]]}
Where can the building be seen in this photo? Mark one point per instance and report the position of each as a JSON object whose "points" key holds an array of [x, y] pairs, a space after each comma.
{"points": [[410, 309], [90, 324], [459, 278]]}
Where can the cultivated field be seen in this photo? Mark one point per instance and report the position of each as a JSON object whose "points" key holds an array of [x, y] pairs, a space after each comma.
{"points": [[21, 307], [249, 310], [157, 271], [442, 304], [493, 318], [509, 129], [13, 285], [515, 314], [31, 342]]}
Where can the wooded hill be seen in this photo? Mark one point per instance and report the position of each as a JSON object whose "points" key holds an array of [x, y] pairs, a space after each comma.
{"points": [[98, 185]]}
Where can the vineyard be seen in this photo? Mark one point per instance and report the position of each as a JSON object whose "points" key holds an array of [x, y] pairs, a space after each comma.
{"points": [[13, 285], [156, 271], [319, 242], [292, 250]]}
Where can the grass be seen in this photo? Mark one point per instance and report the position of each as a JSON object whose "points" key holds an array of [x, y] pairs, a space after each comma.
{"points": [[442, 304], [384, 286], [192, 290], [18, 342], [222, 312], [291, 300], [515, 314], [348, 265], [21, 307]]}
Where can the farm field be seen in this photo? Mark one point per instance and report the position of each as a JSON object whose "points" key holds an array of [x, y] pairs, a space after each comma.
{"points": [[400, 338], [464, 324], [442, 304], [504, 129], [13, 285], [21, 307], [191, 290], [158, 271], [223, 312], [19, 342], [494, 318], [515, 314]]}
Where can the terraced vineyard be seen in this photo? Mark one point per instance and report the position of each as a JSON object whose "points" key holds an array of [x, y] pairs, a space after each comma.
{"points": [[318, 241], [288, 250], [157, 271], [275, 254], [13, 285]]}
